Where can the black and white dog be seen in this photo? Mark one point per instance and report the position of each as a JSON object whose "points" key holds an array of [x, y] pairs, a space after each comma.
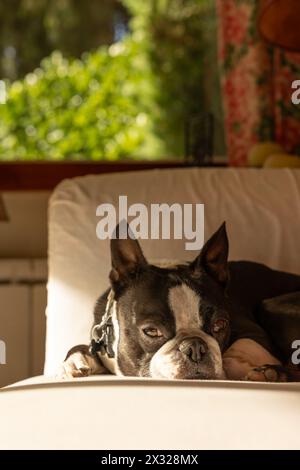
{"points": [[202, 320]]}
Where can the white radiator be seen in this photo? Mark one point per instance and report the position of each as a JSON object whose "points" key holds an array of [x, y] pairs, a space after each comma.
{"points": [[23, 298]]}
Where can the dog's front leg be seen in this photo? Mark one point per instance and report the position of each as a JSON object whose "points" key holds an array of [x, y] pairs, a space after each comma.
{"points": [[80, 362], [268, 373], [273, 373], [246, 360]]}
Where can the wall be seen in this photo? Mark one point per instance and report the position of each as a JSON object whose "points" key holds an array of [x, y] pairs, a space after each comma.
{"points": [[22, 312], [25, 235]]}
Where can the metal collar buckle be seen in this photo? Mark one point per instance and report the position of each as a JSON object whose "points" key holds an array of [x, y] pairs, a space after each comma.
{"points": [[102, 339], [103, 333]]}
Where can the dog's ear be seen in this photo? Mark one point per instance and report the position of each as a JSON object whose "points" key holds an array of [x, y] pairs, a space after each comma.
{"points": [[214, 256], [126, 255]]}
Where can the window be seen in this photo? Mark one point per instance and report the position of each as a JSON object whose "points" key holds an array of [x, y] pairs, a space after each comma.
{"points": [[105, 79]]}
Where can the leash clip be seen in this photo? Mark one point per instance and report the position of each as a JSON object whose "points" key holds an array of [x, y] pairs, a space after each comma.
{"points": [[103, 334]]}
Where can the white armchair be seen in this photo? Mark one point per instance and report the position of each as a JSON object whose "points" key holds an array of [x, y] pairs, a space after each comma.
{"points": [[262, 210]]}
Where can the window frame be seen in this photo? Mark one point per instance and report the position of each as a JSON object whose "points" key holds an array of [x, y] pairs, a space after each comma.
{"points": [[45, 176]]}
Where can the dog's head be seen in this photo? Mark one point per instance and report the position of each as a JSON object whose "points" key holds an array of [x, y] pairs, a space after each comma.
{"points": [[171, 322]]}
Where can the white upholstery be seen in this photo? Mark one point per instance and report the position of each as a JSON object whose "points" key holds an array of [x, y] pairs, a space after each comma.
{"points": [[107, 412], [261, 208]]}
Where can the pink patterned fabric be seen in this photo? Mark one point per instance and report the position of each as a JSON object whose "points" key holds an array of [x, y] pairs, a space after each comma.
{"points": [[256, 84]]}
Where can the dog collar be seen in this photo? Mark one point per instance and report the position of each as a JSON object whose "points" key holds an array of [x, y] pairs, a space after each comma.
{"points": [[103, 333]]}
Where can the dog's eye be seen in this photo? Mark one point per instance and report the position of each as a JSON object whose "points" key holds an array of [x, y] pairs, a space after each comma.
{"points": [[219, 325], [152, 332]]}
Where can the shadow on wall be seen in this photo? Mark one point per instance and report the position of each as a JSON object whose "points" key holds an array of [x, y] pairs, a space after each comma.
{"points": [[25, 234]]}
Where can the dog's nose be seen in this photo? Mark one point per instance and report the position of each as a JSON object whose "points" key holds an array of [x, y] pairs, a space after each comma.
{"points": [[194, 348]]}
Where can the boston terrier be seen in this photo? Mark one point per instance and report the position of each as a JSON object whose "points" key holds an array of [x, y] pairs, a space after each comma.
{"points": [[198, 320]]}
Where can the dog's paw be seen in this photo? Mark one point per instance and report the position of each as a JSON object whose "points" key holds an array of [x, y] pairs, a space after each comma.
{"points": [[79, 364], [267, 373]]}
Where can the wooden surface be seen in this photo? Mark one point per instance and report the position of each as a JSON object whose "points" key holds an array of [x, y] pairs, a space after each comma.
{"points": [[46, 175]]}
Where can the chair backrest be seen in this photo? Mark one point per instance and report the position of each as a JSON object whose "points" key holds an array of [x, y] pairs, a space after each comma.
{"points": [[261, 208]]}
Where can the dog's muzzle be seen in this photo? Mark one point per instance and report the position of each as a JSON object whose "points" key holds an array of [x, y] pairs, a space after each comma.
{"points": [[194, 348], [190, 354]]}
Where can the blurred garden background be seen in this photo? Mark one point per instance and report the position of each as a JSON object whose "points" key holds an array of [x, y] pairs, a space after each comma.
{"points": [[105, 79]]}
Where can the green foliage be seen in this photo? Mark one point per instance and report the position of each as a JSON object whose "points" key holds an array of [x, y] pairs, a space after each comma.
{"points": [[179, 39], [127, 100], [93, 108], [32, 29]]}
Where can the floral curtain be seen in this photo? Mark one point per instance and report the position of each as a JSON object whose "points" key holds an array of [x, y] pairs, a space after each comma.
{"points": [[256, 84]]}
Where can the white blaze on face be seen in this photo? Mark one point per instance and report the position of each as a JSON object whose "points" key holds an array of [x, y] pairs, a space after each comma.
{"points": [[168, 362], [185, 305]]}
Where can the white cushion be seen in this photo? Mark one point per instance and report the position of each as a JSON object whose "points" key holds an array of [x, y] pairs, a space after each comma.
{"points": [[107, 412], [261, 208]]}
